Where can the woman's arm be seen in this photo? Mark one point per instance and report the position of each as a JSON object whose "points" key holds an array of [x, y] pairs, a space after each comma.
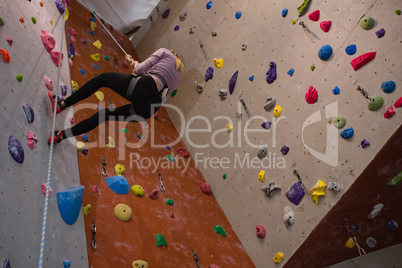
{"points": [[132, 63]]}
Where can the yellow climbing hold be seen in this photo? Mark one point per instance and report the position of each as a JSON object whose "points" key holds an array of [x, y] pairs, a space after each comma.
{"points": [[261, 176], [350, 243], [277, 110], [51, 22], [119, 169], [218, 63], [110, 144], [92, 25], [123, 212], [294, 21], [96, 57], [97, 44], [66, 14], [229, 127], [87, 209], [140, 264], [74, 85], [100, 95], [317, 191], [137, 190], [80, 146], [279, 257]]}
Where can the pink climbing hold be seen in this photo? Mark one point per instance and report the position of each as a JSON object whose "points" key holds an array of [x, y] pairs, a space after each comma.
{"points": [[31, 140], [362, 60], [10, 41], [125, 64], [171, 215], [311, 95], [154, 194], [213, 266], [48, 83], [205, 188], [314, 16], [70, 63], [43, 186], [121, 41], [182, 151], [398, 103], [389, 113], [325, 25], [95, 189], [260, 231], [72, 31], [71, 120], [47, 40], [55, 55], [72, 39]]}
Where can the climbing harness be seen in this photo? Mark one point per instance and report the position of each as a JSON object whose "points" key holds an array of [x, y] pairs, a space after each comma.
{"points": [[360, 249], [197, 260], [365, 94], [93, 235], [160, 179]]}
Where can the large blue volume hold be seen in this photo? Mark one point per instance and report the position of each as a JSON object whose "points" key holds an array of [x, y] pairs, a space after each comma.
{"points": [[70, 203]]}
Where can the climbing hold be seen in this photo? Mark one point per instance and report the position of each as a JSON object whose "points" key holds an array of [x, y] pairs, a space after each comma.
{"points": [[124, 130], [376, 103], [277, 111], [97, 44], [5, 55], [95, 189], [262, 152], [169, 202], [311, 95], [376, 210], [170, 158], [271, 73], [347, 133], [140, 264], [205, 188], [380, 33], [66, 263], [312, 67], [325, 25], [55, 55], [96, 57], [160, 240], [238, 14], [72, 39], [269, 103], [19, 77], [154, 194], [137, 190], [251, 78], [303, 7], [397, 12], [314, 16], [166, 13], [71, 120], [398, 103], [325, 52], [389, 113], [60, 6], [72, 31], [351, 242], [223, 93], [118, 184], [284, 150], [232, 82], [182, 151], [334, 186], [218, 63], [74, 85], [270, 188], [33, 20], [266, 125], [261, 176], [176, 28], [72, 49], [199, 87], [80, 146], [388, 87], [339, 121], [32, 140], [63, 89], [10, 41], [70, 63], [183, 16], [362, 60], [371, 242], [244, 46], [122, 212], [395, 181], [28, 113], [91, 33], [87, 209], [119, 169], [290, 72], [92, 25], [82, 72], [392, 225], [209, 5], [289, 216], [219, 230], [317, 191], [47, 40], [51, 22], [22, 20], [43, 187], [294, 21], [214, 33], [364, 143], [279, 257], [229, 127], [336, 91], [70, 202], [16, 150], [260, 231], [284, 12], [351, 49], [100, 95], [367, 22], [209, 74], [1, 22], [48, 83]]}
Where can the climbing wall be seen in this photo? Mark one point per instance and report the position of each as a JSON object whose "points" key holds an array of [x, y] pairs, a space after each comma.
{"points": [[194, 226], [21, 197], [248, 43]]}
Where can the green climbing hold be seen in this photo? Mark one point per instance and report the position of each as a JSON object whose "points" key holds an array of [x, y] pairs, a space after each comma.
{"points": [[124, 130], [169, 202], [93, 14], [95, 74], [396, 181], [160, 240], [1, 22], [312, 67], [367, 23], [224, 176], [301, 9], [107, 58], [219, 230], [33, 20], [339, 121], [19, 77], [170, 158], [173, 93], [397, 12], [376, 103]]}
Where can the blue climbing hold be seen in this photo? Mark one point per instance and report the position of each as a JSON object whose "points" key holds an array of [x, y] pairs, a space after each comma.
{"points": [[209, 5], [351, 49], [347, 133], [92, 19], [284, 12], [82, 72], [238, 15], [392, 225], [66, 263], [325, 52], [91, 33], [85, 137], [96, 66], [118, 184], [251, 78], [69, 55], [70, 202], [336, 91], [85, 42], [388, 87], [290, 72]]}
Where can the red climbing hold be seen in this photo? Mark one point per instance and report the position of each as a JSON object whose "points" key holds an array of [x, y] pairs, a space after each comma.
{"points": [[6, 56], [154, 194], [389, 113], [205, 188], [325, 25], [311, 95], [55, 55], [260, 231], [72, 31], [171, 215], [398, 103], [314, 16], [183, 151], [362, 60], [10, 41]]}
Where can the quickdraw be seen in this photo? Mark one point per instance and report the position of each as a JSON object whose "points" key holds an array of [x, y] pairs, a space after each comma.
{"points": [[93, 235], [160, 180], [360, 249]]}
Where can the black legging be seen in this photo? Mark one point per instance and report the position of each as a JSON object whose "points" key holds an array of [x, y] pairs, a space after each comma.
{"points": [[144, 95]]}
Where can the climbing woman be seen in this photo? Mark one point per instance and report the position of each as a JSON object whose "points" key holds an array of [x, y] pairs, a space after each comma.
{"points": [[146, 88]]}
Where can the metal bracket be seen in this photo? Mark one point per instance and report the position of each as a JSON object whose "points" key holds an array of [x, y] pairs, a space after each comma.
{"points": [[93, 235]]}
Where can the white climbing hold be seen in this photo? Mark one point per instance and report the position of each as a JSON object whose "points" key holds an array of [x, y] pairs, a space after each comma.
{"points": [[376, 210], [289, 216]]}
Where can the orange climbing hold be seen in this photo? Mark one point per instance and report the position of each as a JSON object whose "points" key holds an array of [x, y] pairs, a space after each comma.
{"points": [[22, 20], [41, 4], [6, 56]]}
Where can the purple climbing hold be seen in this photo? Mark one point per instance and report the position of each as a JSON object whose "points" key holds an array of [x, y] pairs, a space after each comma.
{"points": [[285, 150], [168, 148], [295, 193], [28, 113], [6, 263], [63, 89], [266, 125], [166, 13], [209, 74], [60, 6], [380, 33], [232, 82], [364, 143], [72, 49], [271, 73], [176, 28], [392, 225], [16, 150]]}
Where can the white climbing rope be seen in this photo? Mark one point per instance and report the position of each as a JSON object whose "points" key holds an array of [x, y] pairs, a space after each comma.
{"points": [[49, 169], [93, 12]]}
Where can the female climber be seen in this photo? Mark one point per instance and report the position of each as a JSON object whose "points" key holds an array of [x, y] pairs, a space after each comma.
{"points": [[145, 88]]}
